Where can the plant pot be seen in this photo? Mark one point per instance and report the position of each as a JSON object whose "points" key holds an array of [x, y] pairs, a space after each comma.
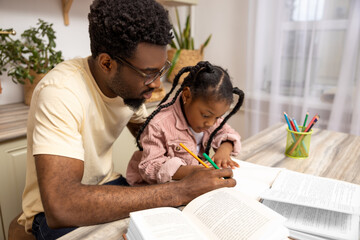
{"points": [[186, 58], [157, 95], [29, 87]]}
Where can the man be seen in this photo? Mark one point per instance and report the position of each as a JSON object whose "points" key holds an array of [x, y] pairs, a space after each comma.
{"points": [[80, 108]]}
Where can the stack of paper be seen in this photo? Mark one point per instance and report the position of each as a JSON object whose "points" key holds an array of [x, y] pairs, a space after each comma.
{"points": [[315, 207]]}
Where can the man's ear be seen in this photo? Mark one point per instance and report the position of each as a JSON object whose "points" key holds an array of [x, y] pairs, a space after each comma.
{"points": [[105, 62]]}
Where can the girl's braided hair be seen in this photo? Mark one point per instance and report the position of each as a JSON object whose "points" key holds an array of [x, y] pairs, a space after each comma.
{"points": [[203, 80]]}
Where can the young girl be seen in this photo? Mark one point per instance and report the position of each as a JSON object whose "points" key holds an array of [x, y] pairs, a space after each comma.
{"points": [[192, 117]]}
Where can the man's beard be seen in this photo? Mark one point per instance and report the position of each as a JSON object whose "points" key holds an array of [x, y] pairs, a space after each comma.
{"points": [[134, 103]]}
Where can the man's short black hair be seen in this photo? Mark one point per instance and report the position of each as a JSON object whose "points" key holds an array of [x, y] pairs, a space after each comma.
{"points": [[116, 27]]}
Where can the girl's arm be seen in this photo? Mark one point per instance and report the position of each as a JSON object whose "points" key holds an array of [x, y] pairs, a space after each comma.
{"points": [[156, 166], [222, 156], [226, 143]]}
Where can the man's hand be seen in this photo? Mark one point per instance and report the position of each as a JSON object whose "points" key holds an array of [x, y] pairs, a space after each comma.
{"points": [[185, 170], [202, 181]]}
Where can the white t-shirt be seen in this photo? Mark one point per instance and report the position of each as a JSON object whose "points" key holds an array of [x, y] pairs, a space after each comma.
{"points": [[198, 137], [70, 116]]}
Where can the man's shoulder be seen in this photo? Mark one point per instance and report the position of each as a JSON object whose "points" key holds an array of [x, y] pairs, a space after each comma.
{"points": [[68, 80], [70, 68]]}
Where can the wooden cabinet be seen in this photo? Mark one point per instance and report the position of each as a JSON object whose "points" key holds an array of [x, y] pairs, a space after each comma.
{"points": [[12, 180]]}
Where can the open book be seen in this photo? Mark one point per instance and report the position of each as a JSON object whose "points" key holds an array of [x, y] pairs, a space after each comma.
{"points": [[219, 214], [315, 207], [253, 179]]}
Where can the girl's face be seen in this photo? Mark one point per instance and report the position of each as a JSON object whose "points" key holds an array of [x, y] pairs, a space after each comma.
{"points": [[202, 114]]}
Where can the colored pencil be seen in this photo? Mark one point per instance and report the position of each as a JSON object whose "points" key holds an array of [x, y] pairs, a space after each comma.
{"points": [[289, 125], [296, 126], [313, 121], [210, 161], [287, 120], [306, 117], [293, 126], [302, 143], [192, 154], [317, 118]]}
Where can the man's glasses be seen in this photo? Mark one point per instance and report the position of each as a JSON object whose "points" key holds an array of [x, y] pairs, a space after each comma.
{"points": [[149, 78]]}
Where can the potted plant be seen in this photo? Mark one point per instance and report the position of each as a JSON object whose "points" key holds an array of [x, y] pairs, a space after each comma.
{"points": [[28, 59], [182, 52]]}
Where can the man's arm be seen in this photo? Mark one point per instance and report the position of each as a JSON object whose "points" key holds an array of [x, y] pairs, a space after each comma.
{"points": [[68, 202], [134, 128]]}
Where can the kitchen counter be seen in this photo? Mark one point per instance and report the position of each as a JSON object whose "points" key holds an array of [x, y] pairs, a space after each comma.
{"points": [[13, 118]]}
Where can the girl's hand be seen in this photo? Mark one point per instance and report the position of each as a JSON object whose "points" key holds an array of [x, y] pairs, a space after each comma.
{"points": [[222, 156]]}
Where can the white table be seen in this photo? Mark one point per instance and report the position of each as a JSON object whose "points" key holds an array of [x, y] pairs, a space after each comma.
{"points": [[332, 154]]}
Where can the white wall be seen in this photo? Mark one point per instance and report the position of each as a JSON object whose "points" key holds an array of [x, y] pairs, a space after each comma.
{"points": [[72, 40], [226, 20]]}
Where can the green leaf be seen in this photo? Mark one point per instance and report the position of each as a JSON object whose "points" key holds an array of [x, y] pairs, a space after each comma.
{"points": [[34, 50], [183, 38], [179, 26], [174, 61], [207, 40], [178, 39], [172, 44]]}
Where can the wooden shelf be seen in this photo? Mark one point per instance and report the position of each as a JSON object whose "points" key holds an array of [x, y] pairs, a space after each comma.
{"points": [[178, 2], [66, 5]]}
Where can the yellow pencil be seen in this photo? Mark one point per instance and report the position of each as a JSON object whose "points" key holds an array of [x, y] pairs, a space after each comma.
{"points": [[192, 154]]}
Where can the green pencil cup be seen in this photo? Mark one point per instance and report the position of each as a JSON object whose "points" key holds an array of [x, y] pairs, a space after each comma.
{"points": [[298, 144]]}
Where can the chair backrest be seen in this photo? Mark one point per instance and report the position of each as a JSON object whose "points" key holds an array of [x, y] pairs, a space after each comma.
{"points": [[17, 232]]}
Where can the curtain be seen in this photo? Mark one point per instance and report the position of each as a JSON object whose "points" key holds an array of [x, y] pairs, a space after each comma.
{"points": [[303, 56]]}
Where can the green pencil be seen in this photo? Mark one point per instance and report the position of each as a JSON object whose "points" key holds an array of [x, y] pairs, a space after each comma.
{"points": [[306, 117], [210, 161]]}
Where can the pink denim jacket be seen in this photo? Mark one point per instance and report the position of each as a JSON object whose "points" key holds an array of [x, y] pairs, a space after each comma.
{"points": [[162, 154]]}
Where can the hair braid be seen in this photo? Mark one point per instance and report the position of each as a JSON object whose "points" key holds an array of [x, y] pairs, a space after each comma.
{"points": [[157, 110], [193, 71], [175, 83], [241, 95]]}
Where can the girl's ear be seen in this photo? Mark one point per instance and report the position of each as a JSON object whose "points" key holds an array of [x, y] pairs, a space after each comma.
{"points": [[186, 95]]}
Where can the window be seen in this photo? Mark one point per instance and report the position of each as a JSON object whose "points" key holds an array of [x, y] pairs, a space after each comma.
{"points": [[312, 42]]}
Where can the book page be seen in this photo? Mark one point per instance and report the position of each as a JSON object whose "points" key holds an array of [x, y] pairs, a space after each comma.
{"points": [[313, 191], [228, 214], [305, 236], [316, 221], [253, 179], [162, 224]]}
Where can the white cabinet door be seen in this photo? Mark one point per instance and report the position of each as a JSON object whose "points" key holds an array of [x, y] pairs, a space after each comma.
{"points": [[12, 179], [2, 236], [123, 149]]}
